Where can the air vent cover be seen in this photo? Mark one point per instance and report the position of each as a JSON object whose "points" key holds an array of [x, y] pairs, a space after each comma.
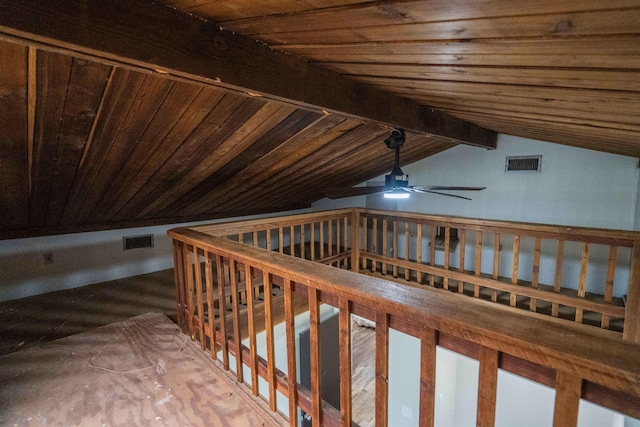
{"points": [[135, 242], [523, 164]]}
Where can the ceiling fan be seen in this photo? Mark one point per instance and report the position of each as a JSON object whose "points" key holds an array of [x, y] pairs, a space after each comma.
{"points": [[396, 182]]}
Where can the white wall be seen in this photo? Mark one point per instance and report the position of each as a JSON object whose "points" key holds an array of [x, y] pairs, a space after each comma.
{"points": [[575, 187], [81, 259]]}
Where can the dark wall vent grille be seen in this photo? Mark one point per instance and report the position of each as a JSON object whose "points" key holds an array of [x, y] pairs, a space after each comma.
{"points": [[523, 164], [136, 242]]}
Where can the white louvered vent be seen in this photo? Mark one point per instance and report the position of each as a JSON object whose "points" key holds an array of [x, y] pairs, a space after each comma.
{"points": [[135, 242], [523, 164]]}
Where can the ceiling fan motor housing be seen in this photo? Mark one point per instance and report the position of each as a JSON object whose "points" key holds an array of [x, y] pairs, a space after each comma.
{"points": [[393, 180]]}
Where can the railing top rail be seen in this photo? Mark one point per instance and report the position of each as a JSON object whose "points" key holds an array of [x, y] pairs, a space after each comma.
{"points": [[585, 351], [561, 232], [246, 226]]}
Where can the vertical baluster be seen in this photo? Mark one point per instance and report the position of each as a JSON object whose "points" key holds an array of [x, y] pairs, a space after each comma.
{"points": [[312, 241], [407, 248], [199, 300], [487, 387], [496, 264], [582, 282], [374, 243], [235, 307], [419, 251], [240, 237], [208, 277], [395, 247], [462, 243], [321, 239], [427, 376], [291, 353], [355, 241], [314, 357], [557, 284], [632, 311], [302, 241], [514, 269], [179, 277], [268, 321], [253, 348], [222, 271], [608, 290], [346, 239], [447, 246], [338, 238], [568, 391], [292, 241], [345, 361], [432, 254], [188, 262], [385, 249], [330, 236], [280, 240], [255, 239], [365, 245], [535, 277], [269, 239], [476, 288], [382, 368]]}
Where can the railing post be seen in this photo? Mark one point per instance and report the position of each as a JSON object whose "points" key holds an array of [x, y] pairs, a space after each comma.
{"points": [[568, 389], [632, 312], [355, 241]]}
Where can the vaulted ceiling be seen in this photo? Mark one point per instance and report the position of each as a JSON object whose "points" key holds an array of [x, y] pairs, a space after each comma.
{"points": [[124, 113]]}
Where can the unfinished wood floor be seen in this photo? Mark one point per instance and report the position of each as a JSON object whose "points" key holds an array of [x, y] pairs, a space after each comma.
{"points": [[34, 321], [43, 318], [140, 371]]}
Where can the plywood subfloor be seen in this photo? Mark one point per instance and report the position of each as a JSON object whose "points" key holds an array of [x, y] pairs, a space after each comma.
{"points": [[141, 371]]}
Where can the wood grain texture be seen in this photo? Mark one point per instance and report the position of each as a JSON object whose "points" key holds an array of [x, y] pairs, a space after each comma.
{"points": [[146, 45], [187, 113], [487, 387], [152, 371]]}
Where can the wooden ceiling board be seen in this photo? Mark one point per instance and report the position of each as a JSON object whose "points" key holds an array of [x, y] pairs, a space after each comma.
{"points": [[116, 124], [87, 82], [135, 35], [381, 13], [120, 96], [172, 123], [234, 133], [193, 199], [281, 158], [607, 22], [316, 163], [625, 80], [14, 153]]}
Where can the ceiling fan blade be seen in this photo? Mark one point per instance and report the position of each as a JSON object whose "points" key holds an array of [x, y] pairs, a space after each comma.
{"points": [[419, 190], [447, 188], [338, 193]]}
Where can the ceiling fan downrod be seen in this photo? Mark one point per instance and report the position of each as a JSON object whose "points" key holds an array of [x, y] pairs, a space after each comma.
{"points": [[396, 178]]}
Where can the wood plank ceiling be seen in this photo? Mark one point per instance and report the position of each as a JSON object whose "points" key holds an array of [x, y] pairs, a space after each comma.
{"points": [[91, 139]]}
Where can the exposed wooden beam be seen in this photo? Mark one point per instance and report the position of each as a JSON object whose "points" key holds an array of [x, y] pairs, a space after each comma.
{"points": [[156, 38]]}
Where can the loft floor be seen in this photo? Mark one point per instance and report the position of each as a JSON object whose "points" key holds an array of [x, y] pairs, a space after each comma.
{"points": [[42, 318], [140, 371]]}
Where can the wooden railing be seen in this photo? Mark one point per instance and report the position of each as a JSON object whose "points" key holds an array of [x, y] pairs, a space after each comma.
{"points": [[565, 272], [228, 291]]}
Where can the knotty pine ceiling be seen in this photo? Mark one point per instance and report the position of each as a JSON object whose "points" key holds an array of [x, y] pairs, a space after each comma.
{"points": [[94, 140]]}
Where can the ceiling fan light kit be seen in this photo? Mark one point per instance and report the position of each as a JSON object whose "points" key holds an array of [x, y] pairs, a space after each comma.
{"points": [[396, 194]]}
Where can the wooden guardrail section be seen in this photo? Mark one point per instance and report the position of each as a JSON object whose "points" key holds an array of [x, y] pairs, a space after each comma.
{"points": [[217, 275], [470, 256]]}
